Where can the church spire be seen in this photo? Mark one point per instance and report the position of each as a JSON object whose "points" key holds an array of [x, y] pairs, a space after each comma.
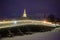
{"points": [[24, 13]]}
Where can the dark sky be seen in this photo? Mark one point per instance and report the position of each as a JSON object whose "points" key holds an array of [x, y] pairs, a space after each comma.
{"points": [[34, 8]]}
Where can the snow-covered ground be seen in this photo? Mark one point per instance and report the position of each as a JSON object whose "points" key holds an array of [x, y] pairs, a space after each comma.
{"points": [[51, 35]]}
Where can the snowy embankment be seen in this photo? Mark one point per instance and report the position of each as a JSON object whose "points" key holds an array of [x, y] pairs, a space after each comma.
{"points": [[51, 35]]}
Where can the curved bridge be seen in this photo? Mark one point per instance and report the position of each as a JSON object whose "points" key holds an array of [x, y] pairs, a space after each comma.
{"points": [[6, 24]]}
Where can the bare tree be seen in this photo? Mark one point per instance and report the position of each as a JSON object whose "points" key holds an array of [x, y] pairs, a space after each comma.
{"points": [[51, 18]]}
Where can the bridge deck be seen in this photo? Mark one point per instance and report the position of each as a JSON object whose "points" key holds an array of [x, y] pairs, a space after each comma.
{"points": [[25, 22]]}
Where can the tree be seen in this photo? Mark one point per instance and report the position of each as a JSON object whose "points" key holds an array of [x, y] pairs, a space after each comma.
{"points": [[51, 18]]}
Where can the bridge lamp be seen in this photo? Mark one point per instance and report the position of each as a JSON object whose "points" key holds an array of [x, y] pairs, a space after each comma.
{"points": [[15, 22], [47, 22], [44, 21]]}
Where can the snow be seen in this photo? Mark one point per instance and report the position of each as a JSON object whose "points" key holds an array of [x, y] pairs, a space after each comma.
{"points": [[51, 35]]}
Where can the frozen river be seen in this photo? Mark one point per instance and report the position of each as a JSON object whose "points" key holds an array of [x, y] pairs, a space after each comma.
{"points": [[51, 35]]}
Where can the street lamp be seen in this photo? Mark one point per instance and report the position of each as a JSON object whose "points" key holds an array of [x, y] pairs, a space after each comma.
{"points": [[15, 22]]}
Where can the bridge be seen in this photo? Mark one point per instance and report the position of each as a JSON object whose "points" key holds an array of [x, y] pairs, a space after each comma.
{"points": [[6, 24]]}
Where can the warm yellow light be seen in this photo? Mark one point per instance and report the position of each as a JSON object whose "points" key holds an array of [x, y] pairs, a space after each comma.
{"points": [[24, 14], [44, 21]]}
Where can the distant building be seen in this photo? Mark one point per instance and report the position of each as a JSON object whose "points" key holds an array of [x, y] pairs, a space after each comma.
{"points": [[24, 16], [24, 13]]}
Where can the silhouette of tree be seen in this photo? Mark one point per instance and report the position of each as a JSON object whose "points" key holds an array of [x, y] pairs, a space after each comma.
{"points": [[51, 18]]}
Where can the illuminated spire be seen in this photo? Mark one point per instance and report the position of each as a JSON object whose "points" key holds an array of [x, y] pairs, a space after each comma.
{"points": [[24, 14]]}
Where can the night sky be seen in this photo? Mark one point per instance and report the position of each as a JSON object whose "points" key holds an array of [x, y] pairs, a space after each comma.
{"points": [[35, 8]]}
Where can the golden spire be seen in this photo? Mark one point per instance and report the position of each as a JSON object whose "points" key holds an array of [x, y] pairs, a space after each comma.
{"points": [[24, 13]]}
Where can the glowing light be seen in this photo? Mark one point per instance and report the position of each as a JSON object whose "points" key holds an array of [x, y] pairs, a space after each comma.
{"points": [[44, 21], [24, 14], [15, 22]]}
